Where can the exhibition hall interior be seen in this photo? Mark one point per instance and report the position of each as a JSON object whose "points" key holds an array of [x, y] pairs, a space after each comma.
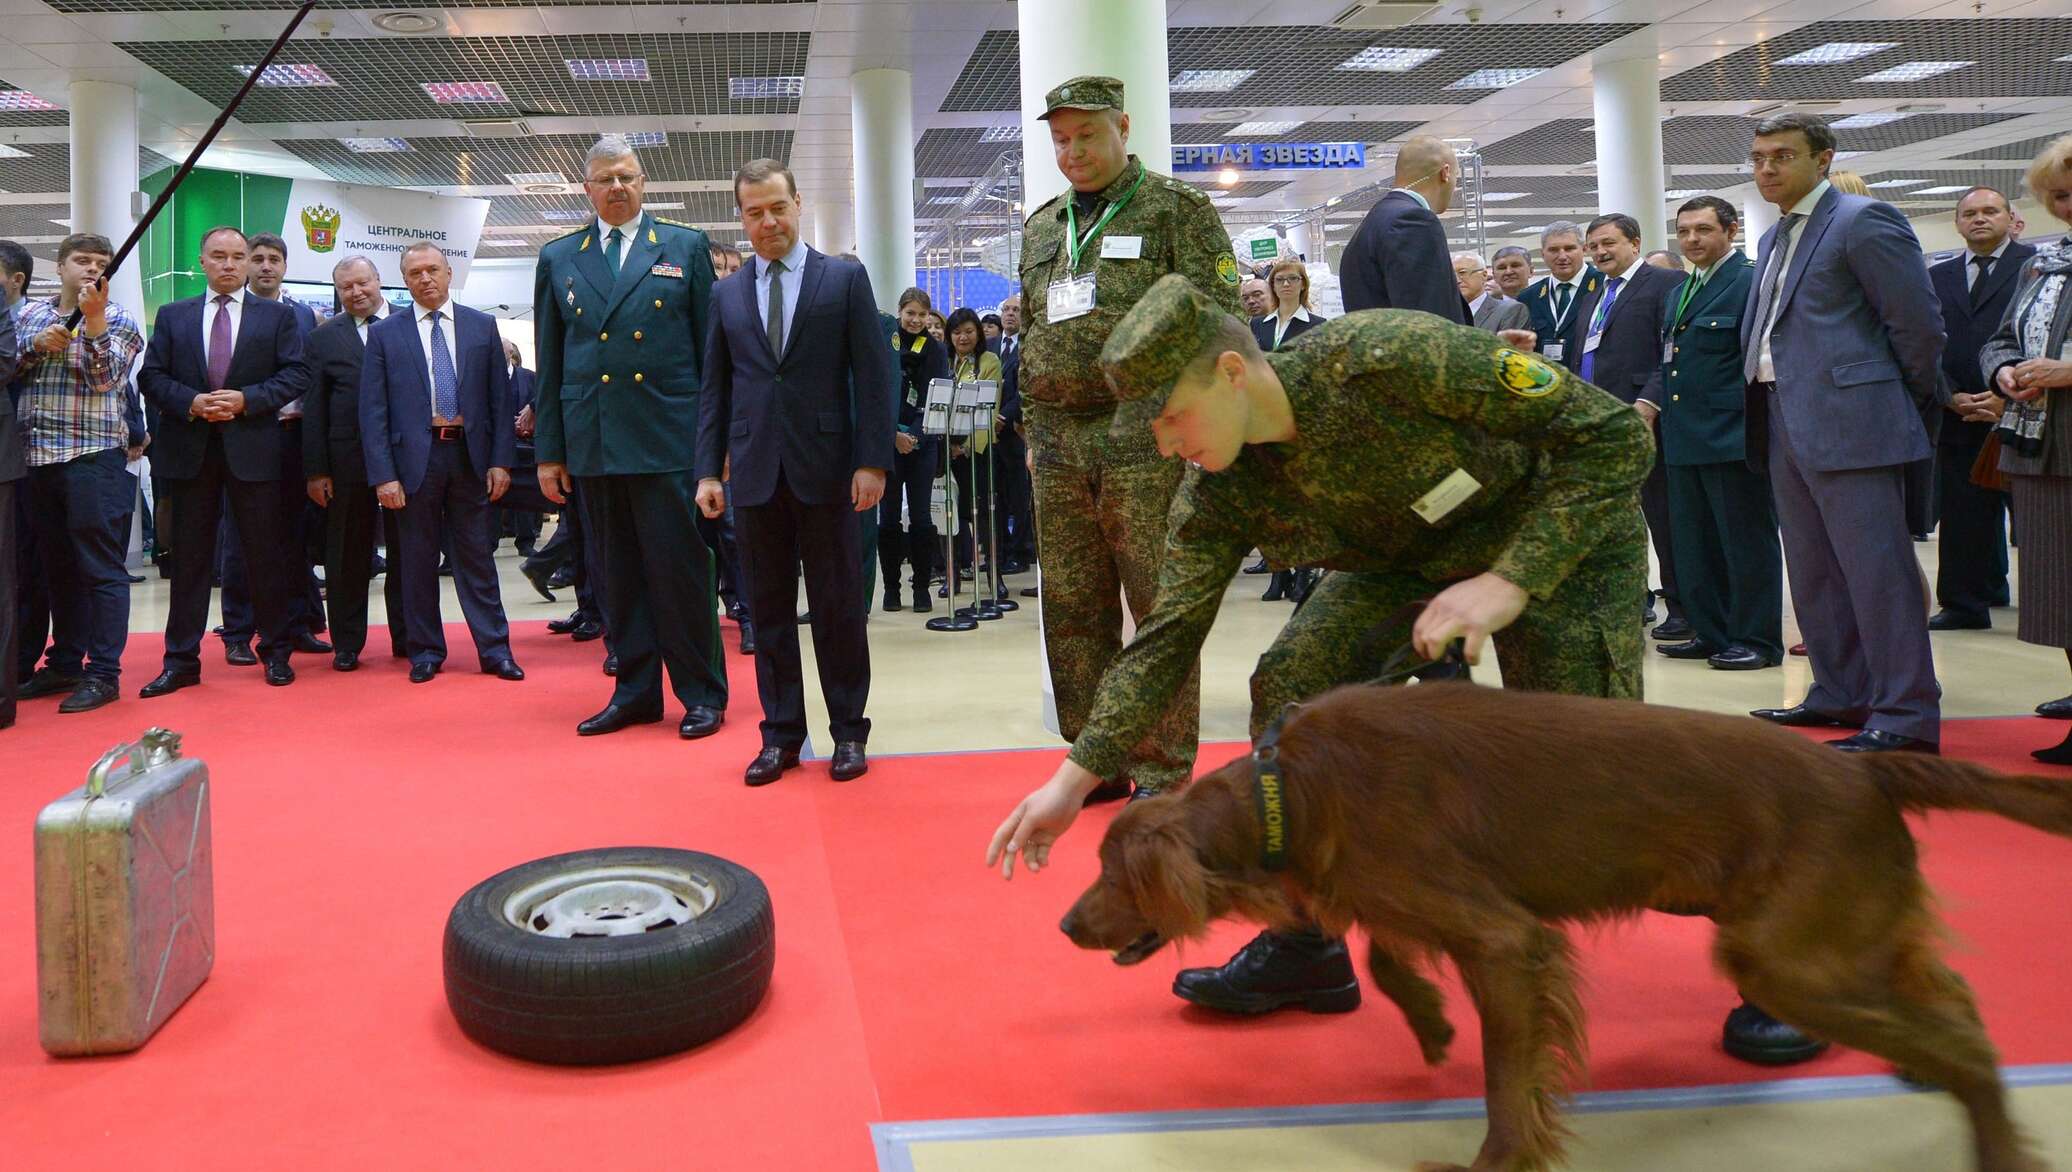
{"points": [[994, 585]]}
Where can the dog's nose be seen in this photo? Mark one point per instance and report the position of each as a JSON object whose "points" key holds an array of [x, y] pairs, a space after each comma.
{"points": [[1066, 925]]}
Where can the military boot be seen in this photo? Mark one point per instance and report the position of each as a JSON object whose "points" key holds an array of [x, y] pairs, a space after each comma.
{"points": [[1277, 970]]}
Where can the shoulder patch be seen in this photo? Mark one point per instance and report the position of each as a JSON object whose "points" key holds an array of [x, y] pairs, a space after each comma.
{"points": [[1226, 268], [1526, 375]]}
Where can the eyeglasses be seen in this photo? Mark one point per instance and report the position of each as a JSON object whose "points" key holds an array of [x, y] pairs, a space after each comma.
{"points": [[1288, 279], [614, 181], [1780, 158]]}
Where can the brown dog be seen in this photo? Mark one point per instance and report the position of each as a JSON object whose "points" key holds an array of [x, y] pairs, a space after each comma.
{"points": [[1470, 822]]}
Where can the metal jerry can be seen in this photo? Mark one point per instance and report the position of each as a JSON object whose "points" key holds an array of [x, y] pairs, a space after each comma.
{"points": [[125, 898]]}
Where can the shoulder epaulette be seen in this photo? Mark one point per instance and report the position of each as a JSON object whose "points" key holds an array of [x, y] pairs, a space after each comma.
{"points": [[572, 232], [678, 223]]}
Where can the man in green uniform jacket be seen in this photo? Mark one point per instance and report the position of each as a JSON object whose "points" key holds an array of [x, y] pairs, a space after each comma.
{"points": [[1412, 457], [620, 305], [1101, 499]]}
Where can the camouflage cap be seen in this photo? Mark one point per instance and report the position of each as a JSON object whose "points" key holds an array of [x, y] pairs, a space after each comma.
{"points": [[1156, 340], [1084, 93]]}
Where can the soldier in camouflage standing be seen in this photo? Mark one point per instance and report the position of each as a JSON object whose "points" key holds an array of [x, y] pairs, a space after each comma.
{"points": [[1100, 499], [1415, 459]]}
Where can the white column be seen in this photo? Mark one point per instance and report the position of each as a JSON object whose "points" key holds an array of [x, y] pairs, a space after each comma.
{"points": [[881, 112], [834, 227], [1064, 39], [1758, 215], [104, 174], [1626, 94]]}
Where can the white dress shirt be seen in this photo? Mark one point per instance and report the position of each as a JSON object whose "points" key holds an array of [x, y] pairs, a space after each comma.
{"points": [[1575, 294], [366, 323], [794, 261], [1765, 371], [1475, 306], [626, 234], [424, 337], [208, 321], [1971, 268], [1280, 325]]}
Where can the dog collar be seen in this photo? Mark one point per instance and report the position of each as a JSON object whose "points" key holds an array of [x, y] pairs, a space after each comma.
{"points": [[1269, 797]]}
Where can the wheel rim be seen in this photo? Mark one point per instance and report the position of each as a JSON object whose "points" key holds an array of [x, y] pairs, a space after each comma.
{"points": [[610, 901]]}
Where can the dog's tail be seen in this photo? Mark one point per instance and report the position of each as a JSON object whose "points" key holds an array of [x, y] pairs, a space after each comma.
{"points": [[1917, 781]]}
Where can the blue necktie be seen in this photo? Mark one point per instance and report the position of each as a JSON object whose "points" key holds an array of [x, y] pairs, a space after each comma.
{"points": [[1604, 310], [445, 395]]}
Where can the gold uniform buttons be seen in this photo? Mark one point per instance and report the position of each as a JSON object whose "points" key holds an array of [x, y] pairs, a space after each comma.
{"points": [[579, 311], [658, 303], [636, 335], [604, 337], [606, 378], [637, 377]]}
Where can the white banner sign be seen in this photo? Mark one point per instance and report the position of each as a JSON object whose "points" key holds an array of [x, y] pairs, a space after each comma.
{"points": [[328, 222]]}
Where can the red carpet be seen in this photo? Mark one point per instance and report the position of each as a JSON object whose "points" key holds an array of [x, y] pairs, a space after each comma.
{"points": [[352, 810]]}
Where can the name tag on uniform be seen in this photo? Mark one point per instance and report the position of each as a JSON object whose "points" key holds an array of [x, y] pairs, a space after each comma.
{"points": [[1122, 247], [1590, 343], [1555, 350], [668, 271], [1070, 298], [1446, 496]]}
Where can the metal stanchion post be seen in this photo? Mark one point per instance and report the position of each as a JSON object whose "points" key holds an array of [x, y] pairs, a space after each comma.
{"points": [[936, 421]]}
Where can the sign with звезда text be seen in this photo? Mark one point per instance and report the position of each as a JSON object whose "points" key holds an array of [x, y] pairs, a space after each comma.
{"points": [[1262, 156]]}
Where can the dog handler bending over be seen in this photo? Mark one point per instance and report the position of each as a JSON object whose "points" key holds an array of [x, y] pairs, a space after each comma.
{"points": [[1416, 459]]}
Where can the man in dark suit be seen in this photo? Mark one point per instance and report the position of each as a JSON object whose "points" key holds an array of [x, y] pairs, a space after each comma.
{"points": [[1552, 302], [1398, 257], [435, 422], [1019, 544], [14, 261], [217, 369], [334, 464], [1621, 351], [520, 510], [621, 308], [1842, 341], [1973, 288], [1729, 572], [808, 430], [267, 267]]}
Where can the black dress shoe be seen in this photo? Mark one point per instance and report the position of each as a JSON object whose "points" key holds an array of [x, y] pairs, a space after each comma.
{"points": [[280, 673], [92, 693], [614, 718], [922, 602], [1799, 716], [747, 638], [1674, 629], [1647, 615], [1273, 971], [1944, 620], [1276, 587], [611, 663], [45, 682], [849, 761], [168, 682], [587, 630], [1259, 567], [1109, 791], [2058, 754], [309, 644], [1031, 592], [345, 661], [892, 602], [700, 721], [563, 626], [1754, 1036], [1688, 649], [422, 673], [562, 578], [538, 578], [1875, 740], [1739, 658], [1011, 567], [769, 765], [2060, 709], [239, 654], [504, 669]]}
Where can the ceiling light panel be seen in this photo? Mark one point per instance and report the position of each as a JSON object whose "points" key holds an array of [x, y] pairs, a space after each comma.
{"points": [[1897, 183], [1915, 71], [521, 178], [1209, 81], [1494, 79], [1859, 121], [1388, 59], [448, 93], [1264, 129], [1001, 134], [1945, 189], [751, 88], [608, 69], [375, 146], [1835, 52], [1713, 140], [646, 138], [2014, 57], [687, 157], [289, 76]]}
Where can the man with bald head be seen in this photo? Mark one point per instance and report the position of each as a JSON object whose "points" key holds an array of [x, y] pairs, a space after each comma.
{"points": [[1398, 257], [1253, 294]]}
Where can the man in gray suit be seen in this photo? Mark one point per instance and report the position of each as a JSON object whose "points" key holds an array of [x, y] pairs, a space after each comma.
{"points": [[1491, 310], [1843, 340]]}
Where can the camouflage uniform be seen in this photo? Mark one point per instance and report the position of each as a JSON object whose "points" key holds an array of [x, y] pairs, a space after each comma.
{"points": [[1101, 501], [1389, 404]]}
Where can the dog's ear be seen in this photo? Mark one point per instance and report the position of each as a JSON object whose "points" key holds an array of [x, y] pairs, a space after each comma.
{"points": [[1166, 881]]}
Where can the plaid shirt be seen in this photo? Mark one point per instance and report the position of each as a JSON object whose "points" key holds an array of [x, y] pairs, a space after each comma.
{"points": [[74, 407]]}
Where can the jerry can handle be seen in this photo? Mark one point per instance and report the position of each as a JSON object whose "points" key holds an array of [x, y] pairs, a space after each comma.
{"points": [[155, 748]]}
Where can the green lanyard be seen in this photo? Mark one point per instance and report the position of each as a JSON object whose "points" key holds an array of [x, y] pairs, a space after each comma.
{"points": [[1074, 242], [1692, 284]]}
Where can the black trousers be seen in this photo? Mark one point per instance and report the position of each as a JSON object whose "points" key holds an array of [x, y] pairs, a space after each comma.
{"points": [[1730, 565], [9, 586], [82, 517], [31, 585], [1017, 526], [451, 507], [301, 521], [1971, 574], [198, 503], [349, 566], [1654, 505], [775, 537], [573, 546], [912, 476], [660, 607]]}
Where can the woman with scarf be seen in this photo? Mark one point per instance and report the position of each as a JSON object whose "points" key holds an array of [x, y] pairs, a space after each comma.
{"points": [[2030, 365], [921, 360]]}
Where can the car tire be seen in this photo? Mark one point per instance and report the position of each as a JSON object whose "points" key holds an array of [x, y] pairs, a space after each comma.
{"points": [[611, 955]]}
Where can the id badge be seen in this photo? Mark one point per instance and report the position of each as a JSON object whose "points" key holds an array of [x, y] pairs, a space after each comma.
{"points": [[1446, 496], [1590, 343], [1070, 298], [1555, 351], [1122, 247], [1668, 351]]}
